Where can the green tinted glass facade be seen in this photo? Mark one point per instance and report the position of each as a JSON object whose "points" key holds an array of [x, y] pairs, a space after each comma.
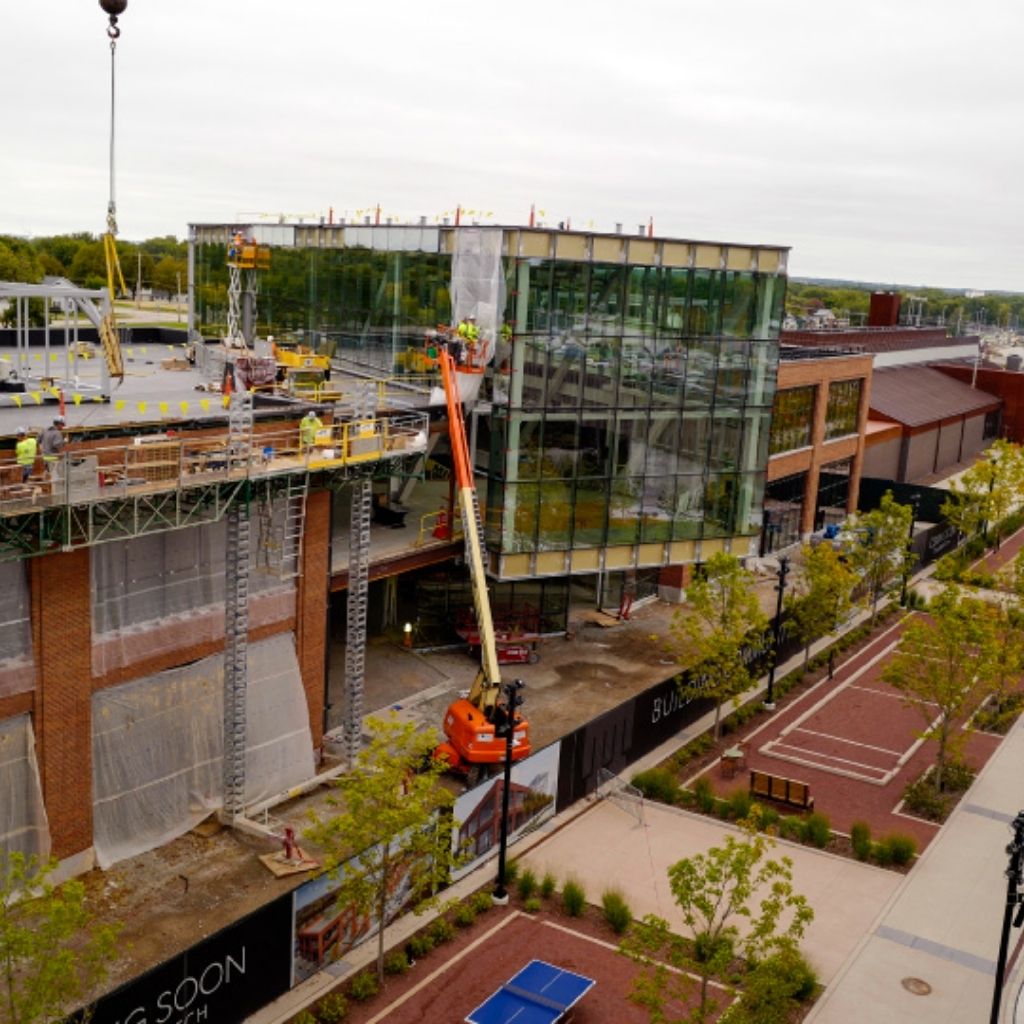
{"points": [[630, 403]]}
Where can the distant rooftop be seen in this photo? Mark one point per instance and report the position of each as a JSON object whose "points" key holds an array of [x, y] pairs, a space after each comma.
{"points": [[916, 395], [795, 353]]}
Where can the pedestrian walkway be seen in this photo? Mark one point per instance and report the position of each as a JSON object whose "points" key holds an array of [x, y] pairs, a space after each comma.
{"points": [[942, 926]]}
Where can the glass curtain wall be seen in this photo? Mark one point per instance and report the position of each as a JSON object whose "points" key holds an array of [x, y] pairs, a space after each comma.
{"points": [[636, 405], [843, 408], [372, 304]]}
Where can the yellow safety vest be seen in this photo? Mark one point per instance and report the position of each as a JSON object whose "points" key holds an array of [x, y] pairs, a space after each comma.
{"points": [[25, 451], [308, 429]]}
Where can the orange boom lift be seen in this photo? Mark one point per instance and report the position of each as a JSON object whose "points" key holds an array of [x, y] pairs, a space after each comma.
{"points": [[470, 722]]}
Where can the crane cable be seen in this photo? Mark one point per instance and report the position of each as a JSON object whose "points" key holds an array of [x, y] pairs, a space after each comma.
{"points": [[108, 328]]}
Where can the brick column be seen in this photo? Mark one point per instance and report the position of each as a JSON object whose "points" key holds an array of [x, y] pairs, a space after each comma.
{"points": [[311, 607], [62, 635]]}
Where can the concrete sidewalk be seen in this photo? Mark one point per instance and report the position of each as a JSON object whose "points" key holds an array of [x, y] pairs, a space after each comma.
{"points": [[942, 926]]}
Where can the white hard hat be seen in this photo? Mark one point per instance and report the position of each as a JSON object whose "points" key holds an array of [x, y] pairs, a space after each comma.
{"points": [[22, 430]]}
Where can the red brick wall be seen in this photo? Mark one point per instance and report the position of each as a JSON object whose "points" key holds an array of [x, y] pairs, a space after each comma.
{"points": [[1007, 385], [62, 634], [314, 583]]}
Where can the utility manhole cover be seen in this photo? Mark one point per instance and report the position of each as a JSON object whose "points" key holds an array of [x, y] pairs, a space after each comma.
{"points": [[916, 986]]}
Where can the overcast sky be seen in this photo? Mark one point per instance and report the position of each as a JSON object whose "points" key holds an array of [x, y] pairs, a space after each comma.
{"points": [[881, 140]]}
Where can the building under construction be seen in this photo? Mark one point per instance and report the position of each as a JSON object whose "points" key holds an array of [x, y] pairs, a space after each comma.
{"points": [[174, 583]]}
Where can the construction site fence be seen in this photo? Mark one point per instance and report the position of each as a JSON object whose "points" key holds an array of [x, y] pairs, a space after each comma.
{"points": [[155, 463]]}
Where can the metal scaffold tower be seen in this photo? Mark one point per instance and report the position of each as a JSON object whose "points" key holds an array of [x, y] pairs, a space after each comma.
{"points": [[236, 616], [358, 592]]}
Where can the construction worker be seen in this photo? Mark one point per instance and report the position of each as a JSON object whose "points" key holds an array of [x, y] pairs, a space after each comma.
{"points": [[25, 452], [308, 428], [51, 443]]}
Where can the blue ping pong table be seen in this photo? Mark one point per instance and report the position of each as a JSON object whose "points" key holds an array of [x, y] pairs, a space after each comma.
{"points": [[538, 994]]}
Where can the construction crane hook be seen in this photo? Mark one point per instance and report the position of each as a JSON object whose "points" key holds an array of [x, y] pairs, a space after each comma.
{"points": [[113, 8]]}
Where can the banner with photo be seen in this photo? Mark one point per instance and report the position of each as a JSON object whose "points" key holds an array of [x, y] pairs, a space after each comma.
{"points": [[531, 803]]}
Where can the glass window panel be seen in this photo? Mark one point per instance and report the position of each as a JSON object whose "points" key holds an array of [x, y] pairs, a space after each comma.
{"points": [[694, 436], [564, 374], [605, 307], [720, 499], [521, 504], [624, 503], [688, 515], [539, 319], [555, 515], [841, 414], [726, 448], [705, 302], [658, 508], [701, 371], [642, 300], [594, 447], [602, 372], [674, 302], [731, 375], [561, 449], [590, 513], [738, 307], [792, 419]]}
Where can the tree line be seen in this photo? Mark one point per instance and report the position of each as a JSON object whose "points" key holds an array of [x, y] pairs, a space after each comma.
{"points": [[162, 262]]}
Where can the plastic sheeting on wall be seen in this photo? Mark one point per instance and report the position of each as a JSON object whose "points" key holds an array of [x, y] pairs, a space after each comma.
{"points": [[17, 673], [23, 824], [478, 281], [165, 591], [158, 744]]}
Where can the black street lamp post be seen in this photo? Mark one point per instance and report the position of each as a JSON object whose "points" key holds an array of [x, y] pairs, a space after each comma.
{"points": [[780, 587], [1014, 901], [506, 727], [915, 500]]}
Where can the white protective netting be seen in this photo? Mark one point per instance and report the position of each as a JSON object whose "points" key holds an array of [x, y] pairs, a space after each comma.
{"points": [[478, 290], [17, 671], [23, 825], [157, 747], [165, 591]]}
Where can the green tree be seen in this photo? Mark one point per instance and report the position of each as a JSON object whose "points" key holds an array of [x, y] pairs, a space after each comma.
{"points": [[716, 891], [822, 597], [987, 491], [52, 953], [18, 261], [391, 836], [878, 547], [944, 667], [709, 634]]}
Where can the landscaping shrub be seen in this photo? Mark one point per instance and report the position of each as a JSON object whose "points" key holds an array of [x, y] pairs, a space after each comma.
{"points": [[721, 809], [548, 885], [441, 931], [657, 784], [900, 849], [332, 1009], [921, 799], [482, 902], [817, 830], [740, 804], [881, 854], [464, 915], [574, 898], [774, 988], [526, 884], [511, 871], [304, 1017], [616, 910], [704, 794], [957, 777], [396, 963], [420, 945], [532, 905], [363, 986], [792, 827], [767, 818], [998, 716], [860, 838]]}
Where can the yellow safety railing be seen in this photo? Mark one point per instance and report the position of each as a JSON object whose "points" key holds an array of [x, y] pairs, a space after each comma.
{"points": [[159, 462], [429, 523]]}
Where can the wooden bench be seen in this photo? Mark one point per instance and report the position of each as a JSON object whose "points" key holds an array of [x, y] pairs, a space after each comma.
{"points": [[783, 790]]}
